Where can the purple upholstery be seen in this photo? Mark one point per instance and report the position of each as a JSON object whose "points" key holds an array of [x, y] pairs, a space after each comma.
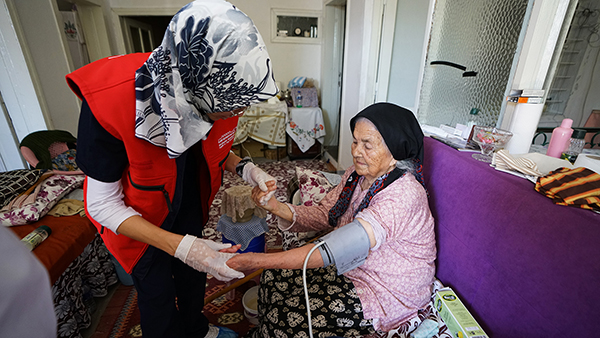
{"points": [[522, 265]]}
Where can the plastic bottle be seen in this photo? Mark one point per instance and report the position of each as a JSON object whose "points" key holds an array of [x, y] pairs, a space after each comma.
{"points": [[299, 100], [575, 147], [560, 138], [37, 236], [472, 121]]}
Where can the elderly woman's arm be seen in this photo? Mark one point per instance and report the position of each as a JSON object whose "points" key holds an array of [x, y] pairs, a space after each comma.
{"points": [[301, 218], [272, 205], [290, 259]]}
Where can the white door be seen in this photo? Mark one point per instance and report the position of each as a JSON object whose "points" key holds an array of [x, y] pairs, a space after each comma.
{"points": [[21, 113], [332, 58]]}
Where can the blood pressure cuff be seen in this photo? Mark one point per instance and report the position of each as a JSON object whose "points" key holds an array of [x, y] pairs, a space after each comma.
{"points": [[347, 247]]}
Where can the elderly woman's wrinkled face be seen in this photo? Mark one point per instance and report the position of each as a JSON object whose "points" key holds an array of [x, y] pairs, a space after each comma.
{"points": [[370, 154]]}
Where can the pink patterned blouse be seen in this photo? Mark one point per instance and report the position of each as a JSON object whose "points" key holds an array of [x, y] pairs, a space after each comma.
{"points": [[395, 280]]}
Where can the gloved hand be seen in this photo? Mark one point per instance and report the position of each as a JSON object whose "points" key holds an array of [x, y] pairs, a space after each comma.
{"points": [[256, 176], [203, 255]]}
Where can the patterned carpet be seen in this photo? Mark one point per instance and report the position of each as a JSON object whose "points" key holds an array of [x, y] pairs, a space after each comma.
{"points": [[121, 317]]}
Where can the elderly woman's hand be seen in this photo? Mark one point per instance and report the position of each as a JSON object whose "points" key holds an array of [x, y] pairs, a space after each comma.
{"points": [[243, 262], [232, 249], [265, 199]]}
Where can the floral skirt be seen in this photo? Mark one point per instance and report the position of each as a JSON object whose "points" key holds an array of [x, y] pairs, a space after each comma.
{"points": [[334, 305]]}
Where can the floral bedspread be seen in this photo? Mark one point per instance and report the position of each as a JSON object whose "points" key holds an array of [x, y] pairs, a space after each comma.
{"points": [[86, 278]]}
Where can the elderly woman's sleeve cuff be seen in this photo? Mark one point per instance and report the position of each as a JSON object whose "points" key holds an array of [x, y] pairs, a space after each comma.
{"points": [[285, 225]]}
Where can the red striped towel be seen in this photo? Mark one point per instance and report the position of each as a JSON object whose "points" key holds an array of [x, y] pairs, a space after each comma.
{"points": [[579, 187]]}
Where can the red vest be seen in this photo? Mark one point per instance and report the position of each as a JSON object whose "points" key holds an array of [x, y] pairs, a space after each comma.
{"points": [[150, 178]]}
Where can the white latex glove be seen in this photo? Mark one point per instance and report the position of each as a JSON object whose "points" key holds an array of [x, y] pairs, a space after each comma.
{"points": [[256, 176], [203, 255]]}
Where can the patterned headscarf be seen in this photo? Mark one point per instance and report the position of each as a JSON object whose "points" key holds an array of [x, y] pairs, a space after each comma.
{"points": [[212, 59]]}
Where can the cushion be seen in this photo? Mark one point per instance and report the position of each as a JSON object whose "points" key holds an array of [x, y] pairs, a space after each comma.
{"points": [[13, 183], [313, 186], [65, 161], [297, 82]]}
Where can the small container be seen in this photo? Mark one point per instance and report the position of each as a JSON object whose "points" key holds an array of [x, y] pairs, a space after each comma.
{"points": [[250, 302], [299, 100], [575, 147], [37, 236], [560, 138]]}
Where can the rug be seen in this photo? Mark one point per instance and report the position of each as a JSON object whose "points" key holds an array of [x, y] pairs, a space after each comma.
{"points": [[121, 318]]}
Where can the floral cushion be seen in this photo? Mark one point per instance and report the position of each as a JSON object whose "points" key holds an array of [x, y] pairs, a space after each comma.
{"points": [[27, 209], [313, 186], [65, 161]]}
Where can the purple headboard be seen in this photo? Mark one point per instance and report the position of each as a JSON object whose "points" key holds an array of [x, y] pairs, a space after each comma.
{"points": [[522, 265]]}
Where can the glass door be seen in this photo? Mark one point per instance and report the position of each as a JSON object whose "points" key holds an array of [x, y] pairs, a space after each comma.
{"points": [[469, 60]]}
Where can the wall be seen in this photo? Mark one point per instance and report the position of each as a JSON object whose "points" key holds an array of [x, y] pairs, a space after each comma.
{"points": [[289, 60], [44, 39], [50, 61]]}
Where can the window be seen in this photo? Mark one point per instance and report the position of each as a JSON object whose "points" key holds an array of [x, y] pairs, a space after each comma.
{"points": [[139, 36]]}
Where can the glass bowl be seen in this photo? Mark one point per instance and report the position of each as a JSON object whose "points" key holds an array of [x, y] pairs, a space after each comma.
{"points": [[489, 140]]}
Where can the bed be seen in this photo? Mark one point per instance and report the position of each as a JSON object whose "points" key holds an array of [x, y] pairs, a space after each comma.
{"points": [[78, 263]]}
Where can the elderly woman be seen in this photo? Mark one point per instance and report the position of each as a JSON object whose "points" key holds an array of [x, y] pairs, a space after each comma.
{"points": [[383, 242]]}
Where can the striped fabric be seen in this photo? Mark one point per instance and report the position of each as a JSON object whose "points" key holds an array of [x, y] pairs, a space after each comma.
{"points": [[505, 161], [579, 187]]}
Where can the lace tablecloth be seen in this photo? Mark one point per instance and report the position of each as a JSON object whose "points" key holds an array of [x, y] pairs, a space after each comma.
{"points": [[305, 126], [263, 122]]}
